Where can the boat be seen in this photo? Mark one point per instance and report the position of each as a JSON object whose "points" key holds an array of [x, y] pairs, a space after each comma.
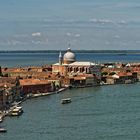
{"points": [[61, 90], [1, 120], [66, 100], [3, 130], [17, 111]]}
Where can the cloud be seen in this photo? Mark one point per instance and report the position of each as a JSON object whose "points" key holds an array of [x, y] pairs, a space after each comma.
{"points": [[117, 36], [36, 34], [77, 35], [94, 20], [13, 42], [68, 34], [106, 21], [137, 42], [73, 35], [20, 35], [41, 42], [122, 22], [17, 42], [107, 42], [128, 5]]}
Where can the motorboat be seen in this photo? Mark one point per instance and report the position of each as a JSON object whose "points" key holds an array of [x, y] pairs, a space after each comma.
{"points": [[17, 111], [66, 100], [2, 130], [1, 120]]}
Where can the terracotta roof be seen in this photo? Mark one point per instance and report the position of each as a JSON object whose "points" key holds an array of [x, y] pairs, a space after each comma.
{"points": [[124, 74], [10, 80], [33, 82], [79, 78]]}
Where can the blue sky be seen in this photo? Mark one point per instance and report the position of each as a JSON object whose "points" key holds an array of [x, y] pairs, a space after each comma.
{"points": [[85, 24]]}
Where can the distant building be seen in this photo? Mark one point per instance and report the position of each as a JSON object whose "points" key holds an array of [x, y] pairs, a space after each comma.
{"points": [[77, 72], [69, 66], [122, 78], [9, 91]]}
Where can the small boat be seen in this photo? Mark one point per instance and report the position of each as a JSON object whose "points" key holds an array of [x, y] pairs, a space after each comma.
{"points": [[60, 90], [3, 130], [66, 100], [1, 120], [17, 111]]}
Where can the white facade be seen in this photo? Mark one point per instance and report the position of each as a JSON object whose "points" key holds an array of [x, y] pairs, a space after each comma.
{"points": [[73, 67]]}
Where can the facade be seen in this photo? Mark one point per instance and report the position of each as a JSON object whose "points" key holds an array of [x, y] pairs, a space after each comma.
{"points": [[68, 66], [10, 91], [35, 86], [122, 78], [77, 73], [6, 97]]}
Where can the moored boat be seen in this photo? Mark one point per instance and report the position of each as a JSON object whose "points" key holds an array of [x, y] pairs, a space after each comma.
{"points": [[1, 120], [17, 111]]}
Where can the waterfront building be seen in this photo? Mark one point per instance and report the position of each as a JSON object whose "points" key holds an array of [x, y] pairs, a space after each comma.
{"points": [[122, 78], [6, 97], [33, 86], [121, 73], [10, 91], [81, 80], [69, 67]]}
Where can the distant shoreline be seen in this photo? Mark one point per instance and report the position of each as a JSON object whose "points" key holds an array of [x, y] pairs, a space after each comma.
{"points": [[121, 52]]}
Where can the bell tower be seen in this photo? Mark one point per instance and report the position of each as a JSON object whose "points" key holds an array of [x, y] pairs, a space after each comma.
{"points": [[60, 58]]}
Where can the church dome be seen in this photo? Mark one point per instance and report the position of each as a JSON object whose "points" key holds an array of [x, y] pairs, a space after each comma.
{"points": [[69, 56]]}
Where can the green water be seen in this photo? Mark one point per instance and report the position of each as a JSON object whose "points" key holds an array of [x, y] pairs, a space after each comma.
{"points": [[97, 113]]}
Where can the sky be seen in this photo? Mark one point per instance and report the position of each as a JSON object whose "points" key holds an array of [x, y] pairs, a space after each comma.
{"points": [[79, 24]]}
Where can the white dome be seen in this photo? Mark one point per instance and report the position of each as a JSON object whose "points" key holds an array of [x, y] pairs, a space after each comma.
{"points": [[69, 55]]}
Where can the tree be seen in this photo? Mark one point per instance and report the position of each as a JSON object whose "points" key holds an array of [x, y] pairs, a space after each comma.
{"points": [[104, 73], [112, 73]]}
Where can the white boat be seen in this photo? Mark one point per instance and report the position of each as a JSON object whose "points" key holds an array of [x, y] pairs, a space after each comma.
{"points": [[66, 100], [3, 130], [17, 111], [1, 119], [60, 90]]}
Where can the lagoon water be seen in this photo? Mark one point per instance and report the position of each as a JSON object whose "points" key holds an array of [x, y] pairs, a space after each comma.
{"points": [[36, 58], [96, 113]]}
